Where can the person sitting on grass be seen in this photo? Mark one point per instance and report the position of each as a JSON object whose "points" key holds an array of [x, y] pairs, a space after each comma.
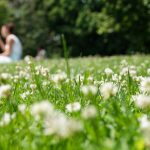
{"points": [[41, 53], [12, 48]]}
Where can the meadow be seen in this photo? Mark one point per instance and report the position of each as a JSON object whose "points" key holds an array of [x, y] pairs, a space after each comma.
{"points": [[91, 103]]}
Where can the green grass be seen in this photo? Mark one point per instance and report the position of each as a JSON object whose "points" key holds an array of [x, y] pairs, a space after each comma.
{"points": [[115, 126]]}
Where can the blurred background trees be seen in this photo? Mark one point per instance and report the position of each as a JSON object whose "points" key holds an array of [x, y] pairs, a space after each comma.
{"points": [[90, 26], [4, 13]]}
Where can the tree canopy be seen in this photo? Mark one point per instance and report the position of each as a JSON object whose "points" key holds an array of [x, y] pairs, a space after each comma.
{"points": [[90, 26]]}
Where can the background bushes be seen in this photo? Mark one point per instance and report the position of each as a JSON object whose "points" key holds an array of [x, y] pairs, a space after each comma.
{"points": [[90, 26]]}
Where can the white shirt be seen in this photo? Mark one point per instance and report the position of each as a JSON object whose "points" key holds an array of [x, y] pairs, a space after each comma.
{"points": [[16, 51]]}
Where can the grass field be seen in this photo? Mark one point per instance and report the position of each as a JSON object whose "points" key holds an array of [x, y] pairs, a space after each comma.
{"points": [[90, 104]]}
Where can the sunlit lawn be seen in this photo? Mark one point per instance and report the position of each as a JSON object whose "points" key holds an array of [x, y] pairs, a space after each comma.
{"points": [[94, 103]]}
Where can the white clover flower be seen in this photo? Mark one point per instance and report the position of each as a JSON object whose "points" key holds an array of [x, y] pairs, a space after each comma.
{"points": [[25, 95], [28, 76], [45, 83], [139, 78], [145, 128], [44, 71], [74, 126], [108, 71], [142, 101], [41, 109], [79, 78], [124, 62], [90, 79], [89, 112], [27, 59], [15, 78], [93, 89], [85, 90], [116, 77], [22, 108], [5, 119], [33, 86], [56, 125], [145, 85], [61, 126], [133, 73], [124, 71], [144, 123], [23, 74], [89, 89], [130, 69], [5, 91], [54, 122], [5, 76], [108, 89], [59, 77], [73, 107], [38, 69]]}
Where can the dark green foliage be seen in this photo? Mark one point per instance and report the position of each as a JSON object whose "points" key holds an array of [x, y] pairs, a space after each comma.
{"points": [[90, 26], [4, 13]]}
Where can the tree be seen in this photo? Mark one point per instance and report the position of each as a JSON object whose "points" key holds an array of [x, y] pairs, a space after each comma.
{"points": [[90, 26], [4, 12]]}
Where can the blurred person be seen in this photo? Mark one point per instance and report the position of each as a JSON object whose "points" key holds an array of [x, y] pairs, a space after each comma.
{"points": [[12, 48], [41, 53]]}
